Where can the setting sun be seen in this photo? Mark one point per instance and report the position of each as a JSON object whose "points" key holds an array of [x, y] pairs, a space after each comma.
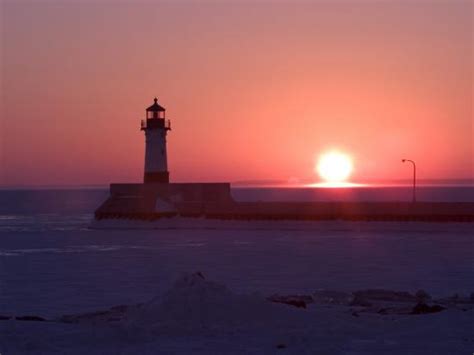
{"points": [[334, 167]]}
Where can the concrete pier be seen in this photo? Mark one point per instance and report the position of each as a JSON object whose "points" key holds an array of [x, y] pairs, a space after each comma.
{"points": [[214, 200]]}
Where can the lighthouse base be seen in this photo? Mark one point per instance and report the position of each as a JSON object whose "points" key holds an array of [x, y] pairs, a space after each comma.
{"points": [[162, 177], [158, 199]]}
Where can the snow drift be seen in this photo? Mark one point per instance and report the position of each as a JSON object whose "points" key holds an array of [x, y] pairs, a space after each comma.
{"points": [[194, 302]]}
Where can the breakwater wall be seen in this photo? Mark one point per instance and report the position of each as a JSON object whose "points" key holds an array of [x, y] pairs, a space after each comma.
{"points": [[214, 201]]}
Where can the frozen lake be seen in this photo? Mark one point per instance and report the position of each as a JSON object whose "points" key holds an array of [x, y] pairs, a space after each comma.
{"points": [[52, 263], [54, 272]]}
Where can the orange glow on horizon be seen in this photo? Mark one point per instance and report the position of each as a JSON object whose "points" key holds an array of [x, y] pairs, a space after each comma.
{"points": [[333, 185]]}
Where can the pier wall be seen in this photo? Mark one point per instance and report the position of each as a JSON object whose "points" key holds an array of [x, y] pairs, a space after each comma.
{"points": [[214, 200], [363, 211]]}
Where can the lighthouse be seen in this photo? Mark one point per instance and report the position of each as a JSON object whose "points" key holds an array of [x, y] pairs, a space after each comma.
{"points": [[156, 126]]}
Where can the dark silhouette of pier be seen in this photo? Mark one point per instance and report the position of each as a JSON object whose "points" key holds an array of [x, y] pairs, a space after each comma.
{"points": [[214, 201]]}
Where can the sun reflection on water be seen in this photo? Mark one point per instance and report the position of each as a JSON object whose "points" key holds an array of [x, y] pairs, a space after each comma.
{"points": [[340, 184]]}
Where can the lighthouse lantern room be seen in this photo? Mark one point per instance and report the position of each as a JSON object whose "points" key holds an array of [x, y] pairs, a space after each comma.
{"points": [[156, 126]]}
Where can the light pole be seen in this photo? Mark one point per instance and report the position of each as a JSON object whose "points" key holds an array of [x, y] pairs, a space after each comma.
{"points": [[414, 177]]}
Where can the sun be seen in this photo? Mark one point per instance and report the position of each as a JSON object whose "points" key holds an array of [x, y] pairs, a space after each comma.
{"points": [[334, 167]]}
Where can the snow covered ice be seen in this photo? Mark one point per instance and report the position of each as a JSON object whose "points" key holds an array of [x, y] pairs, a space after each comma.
{"points": [[201, 316], [52, 265]]}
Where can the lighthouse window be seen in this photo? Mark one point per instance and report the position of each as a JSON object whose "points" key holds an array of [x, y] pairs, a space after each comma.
{"points": [[155, 114], [152, 114]]}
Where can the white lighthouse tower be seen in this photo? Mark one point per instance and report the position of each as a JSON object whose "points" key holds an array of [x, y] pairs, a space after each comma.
{"points": [[156, 126]]}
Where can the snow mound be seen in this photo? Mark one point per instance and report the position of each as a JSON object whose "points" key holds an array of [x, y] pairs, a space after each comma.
{"points": [[196, 302]]}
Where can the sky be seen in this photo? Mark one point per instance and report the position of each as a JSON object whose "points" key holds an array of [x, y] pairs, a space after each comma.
{"points": [[255, 90]]}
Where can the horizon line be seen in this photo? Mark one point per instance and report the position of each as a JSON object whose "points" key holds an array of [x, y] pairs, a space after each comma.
{"points": [[303, 183]]}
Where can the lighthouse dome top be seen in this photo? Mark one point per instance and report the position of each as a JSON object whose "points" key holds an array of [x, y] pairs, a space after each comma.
{"points": [[156, 107]]}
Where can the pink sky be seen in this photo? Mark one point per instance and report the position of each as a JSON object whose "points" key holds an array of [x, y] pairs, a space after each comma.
{"points": [[254, 90]]}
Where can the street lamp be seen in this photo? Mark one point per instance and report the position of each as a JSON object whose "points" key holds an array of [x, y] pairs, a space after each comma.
{"points": [[414, 177]]}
